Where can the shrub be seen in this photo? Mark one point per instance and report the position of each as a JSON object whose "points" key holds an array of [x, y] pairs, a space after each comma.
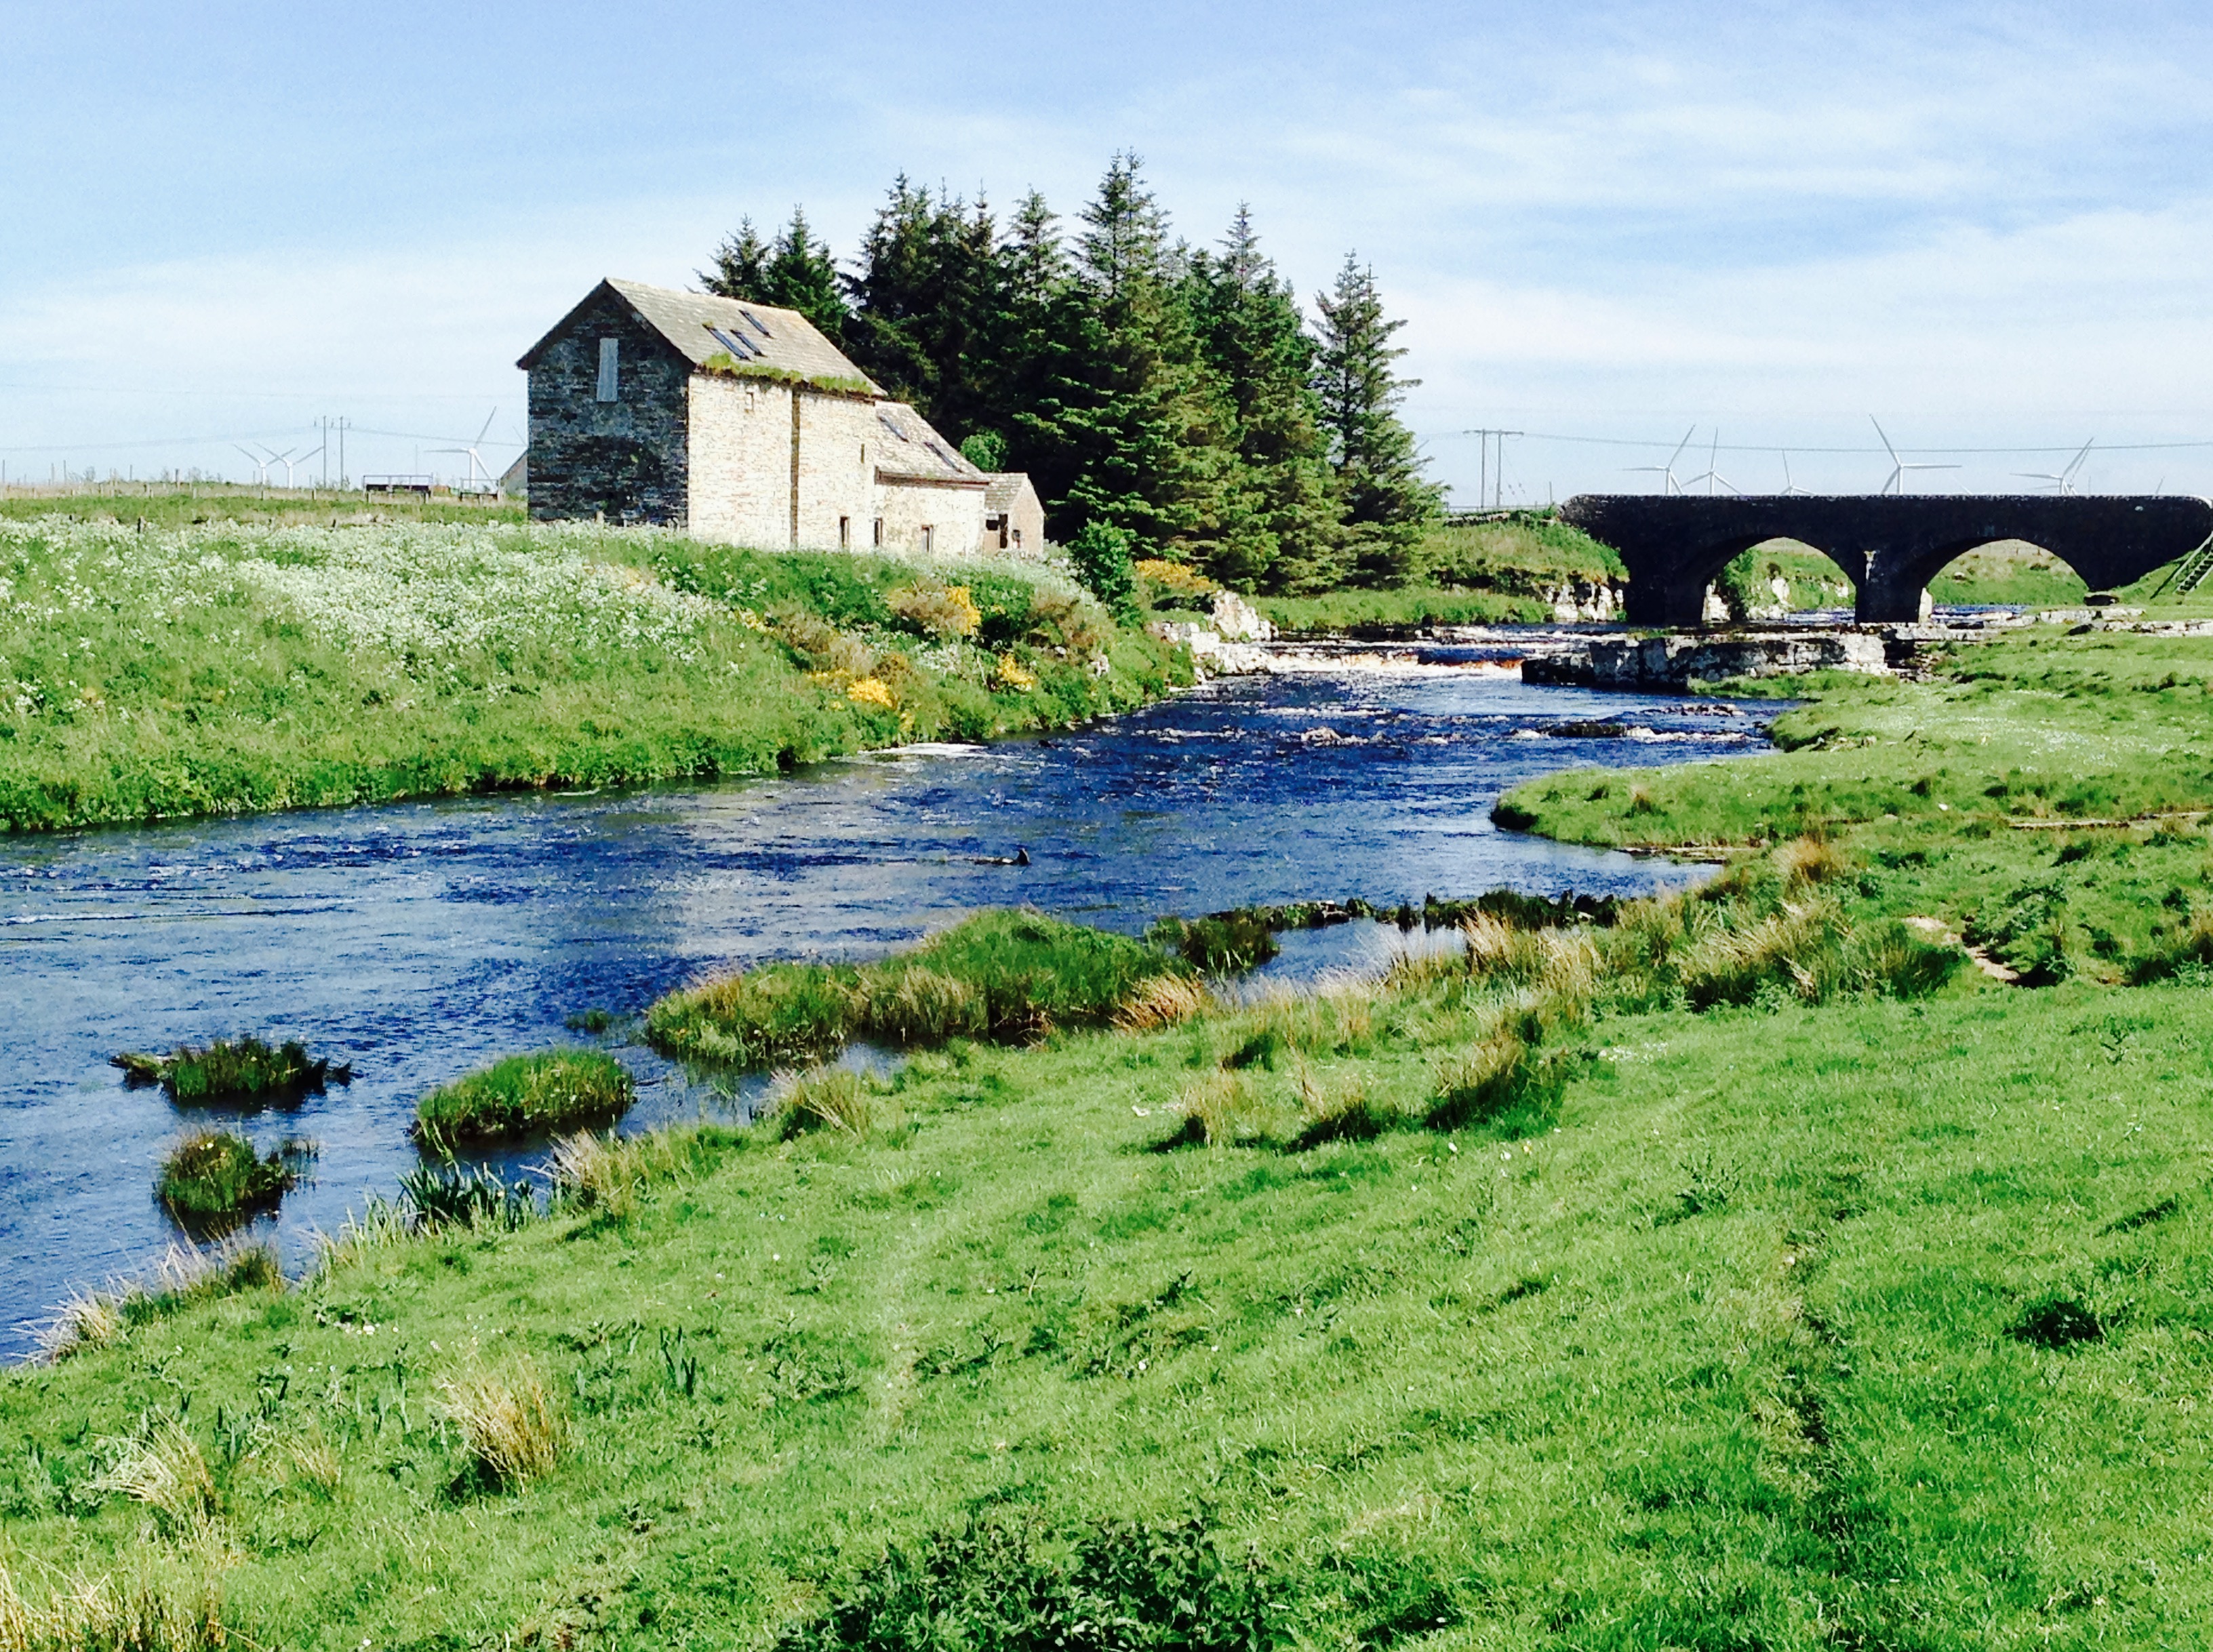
{"points": [[1100, 552], [213, 1177], [234, 1069], [523, 1095], [1811, 858], [933, 608], [1000, 1581], [508, 1421], [1889, 960]]}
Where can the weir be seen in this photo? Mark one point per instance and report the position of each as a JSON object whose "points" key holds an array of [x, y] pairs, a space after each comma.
{"points": [[1889, 545]]}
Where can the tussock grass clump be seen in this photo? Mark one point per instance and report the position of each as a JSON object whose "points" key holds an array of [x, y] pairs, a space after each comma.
{"points": [[609, 1172], [1505, 1080], [186, 1276], [234, 1069], [835, 1099], [436, 1196], [1007, 977], [510, 1425], [1218, 1109], [525, 1095], [1345, 1114], [158, 1605], [213, 1177], [1160, 1002], [162, 1468], [1223, 944]]}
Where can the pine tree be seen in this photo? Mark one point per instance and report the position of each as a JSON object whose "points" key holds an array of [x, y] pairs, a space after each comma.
{"points": [[1132, 400], [1036, 329], [926, 306], [1380, 490], [796, 273], [1276, 526]]}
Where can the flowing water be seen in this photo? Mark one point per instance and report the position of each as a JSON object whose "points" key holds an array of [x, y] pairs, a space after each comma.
{"points": [[419, 940]]}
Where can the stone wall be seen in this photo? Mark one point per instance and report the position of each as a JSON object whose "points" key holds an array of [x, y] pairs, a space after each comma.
{"points": [[953, 510], [836, 472], [741, 468], [629, 458]]}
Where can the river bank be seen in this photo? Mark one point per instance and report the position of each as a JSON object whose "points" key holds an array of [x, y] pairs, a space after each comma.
{"points": [[226, 667]]}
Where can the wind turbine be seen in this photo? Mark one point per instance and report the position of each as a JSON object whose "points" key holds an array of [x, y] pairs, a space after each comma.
{"points": [[1713, 479], [1671, 486], [1790, 488], [477, 466], [259, 464], [1896, 483], [286, 459], [2064, 481]]}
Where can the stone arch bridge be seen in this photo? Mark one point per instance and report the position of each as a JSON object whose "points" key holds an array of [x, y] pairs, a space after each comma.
{"points": [[1889, 545]]}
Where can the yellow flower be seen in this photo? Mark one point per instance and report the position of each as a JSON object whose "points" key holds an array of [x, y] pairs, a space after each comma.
{"points": [[1012, 673], [870, 691]]}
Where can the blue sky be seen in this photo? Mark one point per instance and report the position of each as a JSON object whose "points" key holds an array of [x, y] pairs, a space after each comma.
{"points": [[1988, 226]]}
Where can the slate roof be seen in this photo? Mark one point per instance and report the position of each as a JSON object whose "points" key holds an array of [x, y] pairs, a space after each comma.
{"points": [[1005, 490], [912, 450], [699, 326]]}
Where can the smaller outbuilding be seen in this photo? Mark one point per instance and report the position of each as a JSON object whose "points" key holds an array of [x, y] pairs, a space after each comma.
{"points": [[1014, 518]]}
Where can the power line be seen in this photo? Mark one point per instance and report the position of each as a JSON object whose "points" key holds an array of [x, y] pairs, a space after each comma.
{"points": [[1794, 447]]}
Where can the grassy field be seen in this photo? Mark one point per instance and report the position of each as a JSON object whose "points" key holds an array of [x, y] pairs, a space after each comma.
{"points": [[228, 667], [1877, 1324], [160, 505]]}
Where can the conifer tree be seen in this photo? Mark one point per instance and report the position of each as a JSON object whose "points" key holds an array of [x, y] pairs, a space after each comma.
{"points": [[796, 273], [926, 306], [1132, 400], [1277, 524], [1385, 502], [1037, 329]]}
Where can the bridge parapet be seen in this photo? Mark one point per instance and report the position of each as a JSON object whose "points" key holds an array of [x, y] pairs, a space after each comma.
{"points": [[1889, 545]]}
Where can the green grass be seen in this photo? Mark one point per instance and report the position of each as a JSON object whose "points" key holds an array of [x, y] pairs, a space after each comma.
{"points": [[1731, 1270], [1476, 573], [233, 667], [525, 1095], [1974, 798], [1003, 976], [161, 506], [1874, 1323], [234, 1069], [212, 1178]]}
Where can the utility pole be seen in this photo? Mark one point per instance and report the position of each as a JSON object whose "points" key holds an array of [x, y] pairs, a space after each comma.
{"points": [[342, 469], [1493, 479]]}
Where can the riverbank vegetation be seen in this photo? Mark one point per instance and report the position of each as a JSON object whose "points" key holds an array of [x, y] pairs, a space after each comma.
{"points": [[227, 668], [1738, 1268], [523, 1096], [1002, 976], [2044, 796]]}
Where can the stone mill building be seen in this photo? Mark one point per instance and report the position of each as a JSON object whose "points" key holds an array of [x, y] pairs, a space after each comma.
{"points": [[741, 422]]}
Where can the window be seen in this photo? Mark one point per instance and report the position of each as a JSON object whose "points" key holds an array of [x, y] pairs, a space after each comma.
{"points": [[844, 533], [749, 401], [928, 532], [880, 533], [610, 350], [1018, 539]]}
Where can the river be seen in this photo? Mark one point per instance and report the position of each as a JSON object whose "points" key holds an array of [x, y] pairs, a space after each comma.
{"points": [[419, 940]]}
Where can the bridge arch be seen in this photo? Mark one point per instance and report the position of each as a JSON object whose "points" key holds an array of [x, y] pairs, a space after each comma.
{"points": [[1888, 545]]}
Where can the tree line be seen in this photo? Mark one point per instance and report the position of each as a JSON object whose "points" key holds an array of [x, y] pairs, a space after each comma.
{"points": [[1170, 400]]}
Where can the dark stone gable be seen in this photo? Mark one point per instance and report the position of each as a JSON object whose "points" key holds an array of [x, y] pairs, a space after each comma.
{"points": [[627, 459]]}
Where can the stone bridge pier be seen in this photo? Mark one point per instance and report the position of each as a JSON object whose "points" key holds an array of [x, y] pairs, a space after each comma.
{"points": [[1889, 545]]}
